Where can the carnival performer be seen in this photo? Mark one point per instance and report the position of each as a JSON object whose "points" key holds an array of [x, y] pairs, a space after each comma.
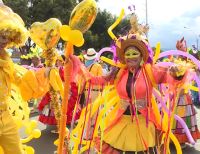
{"points": [[134, 84], [12, 33], [185, 108], [90, 92], [47, 111], [94, 68]]}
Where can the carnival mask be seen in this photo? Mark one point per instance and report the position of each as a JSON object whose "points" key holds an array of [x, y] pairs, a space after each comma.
{"points": [[132, 53]]}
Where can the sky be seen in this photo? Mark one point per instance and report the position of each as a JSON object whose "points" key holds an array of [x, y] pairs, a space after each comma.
{"points": [[169, 20]]}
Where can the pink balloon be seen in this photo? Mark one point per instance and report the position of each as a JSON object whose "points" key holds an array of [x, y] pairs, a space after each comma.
{"points": [[180, 53], [179, 119], [106, 49]]}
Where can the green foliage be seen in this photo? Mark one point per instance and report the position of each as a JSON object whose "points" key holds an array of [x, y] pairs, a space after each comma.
{"points": [[20, 7], [42, 10]]}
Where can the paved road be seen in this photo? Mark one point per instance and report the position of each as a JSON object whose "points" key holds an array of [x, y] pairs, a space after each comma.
{"points": [[44, 145]]}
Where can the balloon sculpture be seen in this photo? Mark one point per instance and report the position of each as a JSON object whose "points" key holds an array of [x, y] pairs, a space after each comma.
{"points": [[81, 19], [46, 35]]}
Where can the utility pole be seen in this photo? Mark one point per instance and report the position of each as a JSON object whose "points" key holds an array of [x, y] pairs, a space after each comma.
{"points": [[146, 6]]}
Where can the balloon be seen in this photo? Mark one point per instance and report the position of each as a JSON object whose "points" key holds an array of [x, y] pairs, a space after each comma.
{"points": [[109, 99], [157, 52], [180, 53], [111, 62], [64, 32], [106, 49], [187, 131], [47, 34], [115, 24], [176, 143], [75, 37], [83, 15], [180, 120], [29, 150]]}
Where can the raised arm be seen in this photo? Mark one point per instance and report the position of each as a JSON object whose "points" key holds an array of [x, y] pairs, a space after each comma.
{"points": [[80, 69]]}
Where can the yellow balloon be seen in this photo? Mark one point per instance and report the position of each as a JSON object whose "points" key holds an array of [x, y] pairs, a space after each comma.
{"points": [[83, 15], [36, 133], [64, 32], [29, 150], [194, 88], [75, 37], [157, 52], [111, 62], [115, 24], [47, 34]]}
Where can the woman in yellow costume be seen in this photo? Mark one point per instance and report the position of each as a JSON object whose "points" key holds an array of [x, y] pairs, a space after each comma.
{"points": [[31, 84], [134, 127], [12, 33]]}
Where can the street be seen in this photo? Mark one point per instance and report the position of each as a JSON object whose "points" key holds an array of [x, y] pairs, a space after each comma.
{"points": [[44, 145]]}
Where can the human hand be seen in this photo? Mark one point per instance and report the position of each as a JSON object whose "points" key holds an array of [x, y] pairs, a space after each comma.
{"points": [[112, 74], [177, 70]]}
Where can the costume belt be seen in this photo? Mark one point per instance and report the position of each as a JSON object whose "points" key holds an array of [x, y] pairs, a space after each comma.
{"points": [[94, 90], [125, 104]]}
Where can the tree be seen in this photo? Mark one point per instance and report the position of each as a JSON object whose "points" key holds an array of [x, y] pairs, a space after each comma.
{"points": [[20, 7], [42, 10]]}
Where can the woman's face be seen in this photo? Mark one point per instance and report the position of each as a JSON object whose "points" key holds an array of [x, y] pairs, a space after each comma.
{"points": [[133, 57]]}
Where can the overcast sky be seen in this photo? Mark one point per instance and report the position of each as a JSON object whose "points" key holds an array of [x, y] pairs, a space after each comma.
{"points": [[167, 18]]}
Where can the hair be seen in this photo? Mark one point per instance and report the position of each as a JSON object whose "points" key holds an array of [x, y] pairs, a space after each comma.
{"points": [[63, 57]]}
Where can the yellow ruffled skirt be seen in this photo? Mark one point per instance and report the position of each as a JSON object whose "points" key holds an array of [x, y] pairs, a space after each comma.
{"points": [[125, 135]]}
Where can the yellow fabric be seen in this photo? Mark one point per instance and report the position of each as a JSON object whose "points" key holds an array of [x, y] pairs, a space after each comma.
{"points": [[96, 69], [6, 76], [34, 85], [125, 136], [9, 137], [150, 75]]}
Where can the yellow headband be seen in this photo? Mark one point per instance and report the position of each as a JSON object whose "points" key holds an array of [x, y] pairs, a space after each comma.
{"points": [[131, 53]]}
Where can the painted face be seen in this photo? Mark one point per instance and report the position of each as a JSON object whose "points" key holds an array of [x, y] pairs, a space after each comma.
{"points": [[133, 57]]}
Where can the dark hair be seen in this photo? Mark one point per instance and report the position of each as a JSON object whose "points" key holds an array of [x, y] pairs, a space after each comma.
{"points": [[63, 57]]}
